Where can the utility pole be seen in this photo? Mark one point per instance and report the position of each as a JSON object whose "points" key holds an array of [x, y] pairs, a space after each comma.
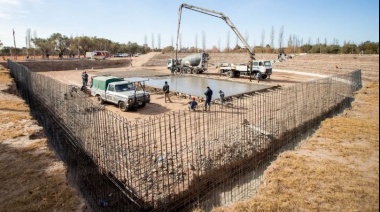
{"points": [[14, 41]]}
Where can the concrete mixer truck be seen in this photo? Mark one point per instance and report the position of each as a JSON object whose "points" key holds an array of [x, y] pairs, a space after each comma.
{"points": [[192, 64]]}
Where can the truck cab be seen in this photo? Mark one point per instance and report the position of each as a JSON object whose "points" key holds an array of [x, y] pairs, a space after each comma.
{"points": [[263, 66], [172, 64], [126, 93], [233, 70]]}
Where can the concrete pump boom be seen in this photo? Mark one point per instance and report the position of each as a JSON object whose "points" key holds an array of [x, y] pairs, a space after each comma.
{"points": [[215, 14]]}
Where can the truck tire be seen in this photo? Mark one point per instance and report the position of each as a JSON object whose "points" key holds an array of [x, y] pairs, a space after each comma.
{"points": [[189, 71], [123, 107], [229, 74], [100, 100]]}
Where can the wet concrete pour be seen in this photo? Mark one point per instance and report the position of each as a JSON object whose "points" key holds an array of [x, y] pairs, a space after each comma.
{"points": [[196, 86]]}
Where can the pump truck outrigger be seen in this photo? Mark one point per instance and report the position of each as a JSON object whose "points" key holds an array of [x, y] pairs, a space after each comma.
{"points": [[232, 72]]}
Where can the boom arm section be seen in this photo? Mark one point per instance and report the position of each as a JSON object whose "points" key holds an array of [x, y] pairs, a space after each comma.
{"points": [[218, 15]]}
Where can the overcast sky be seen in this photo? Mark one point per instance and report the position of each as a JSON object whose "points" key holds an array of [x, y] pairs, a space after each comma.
{"points": [[139, 21]]}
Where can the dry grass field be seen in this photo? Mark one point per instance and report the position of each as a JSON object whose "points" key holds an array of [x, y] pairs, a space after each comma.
{"points": [[334, 170], [32, 177]]}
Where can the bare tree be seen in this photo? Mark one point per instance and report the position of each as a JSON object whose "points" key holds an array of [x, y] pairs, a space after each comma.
{"points": [[280, 38], [152, 41], [295, 43], [246, 36], [219, 45], [262, 40], [335, 42], [272, 38], [228, 41], [145, 40], [28, 38], [196, 41], [34, 37], [159, 40], [290, 42], [204, 40], [309, 41], [325, 41], [317, 41]]}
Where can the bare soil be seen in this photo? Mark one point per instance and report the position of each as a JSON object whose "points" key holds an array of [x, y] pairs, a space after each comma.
{"points": [[340, 162]]}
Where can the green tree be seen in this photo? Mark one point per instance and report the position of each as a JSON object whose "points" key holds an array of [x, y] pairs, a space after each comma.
{"points": [[61, 43], [132, 48], [369, 47], [44, 45], [168, 49], [306, 48], [334, 49], [86, 44], [349, 48], [316, 48], [6, 50]]}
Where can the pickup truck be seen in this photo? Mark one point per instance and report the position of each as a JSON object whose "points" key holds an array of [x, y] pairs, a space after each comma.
{"points": [[126, 93]]}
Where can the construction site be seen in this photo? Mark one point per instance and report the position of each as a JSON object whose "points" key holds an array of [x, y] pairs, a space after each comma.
{"points": [[126, 152], [165, 158]]}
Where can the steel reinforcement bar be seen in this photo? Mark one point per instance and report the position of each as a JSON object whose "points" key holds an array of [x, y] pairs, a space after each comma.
{"points": [[179, 160]]}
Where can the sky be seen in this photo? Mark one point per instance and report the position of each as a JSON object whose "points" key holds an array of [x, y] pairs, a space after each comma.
{"points": [[154, 22]]}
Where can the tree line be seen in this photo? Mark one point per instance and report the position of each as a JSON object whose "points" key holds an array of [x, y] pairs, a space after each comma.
{"points": [[58, 44]]}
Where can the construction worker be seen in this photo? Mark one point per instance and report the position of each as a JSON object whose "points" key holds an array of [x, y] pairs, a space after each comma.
{"points": [[258, 76], [221, 94], [193, 104], [208, 94], [165, 88], [84, 79]]}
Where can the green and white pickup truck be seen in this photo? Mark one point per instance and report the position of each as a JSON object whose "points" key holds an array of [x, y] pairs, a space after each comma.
{"points": [[124, 92]]}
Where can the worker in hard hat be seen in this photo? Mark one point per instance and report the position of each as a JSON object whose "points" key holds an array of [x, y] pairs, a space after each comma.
{"points": [[193, 104]]}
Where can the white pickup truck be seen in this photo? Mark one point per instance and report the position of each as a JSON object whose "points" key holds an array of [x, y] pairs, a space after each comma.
{"points": [[232, 70], [126, 93]]}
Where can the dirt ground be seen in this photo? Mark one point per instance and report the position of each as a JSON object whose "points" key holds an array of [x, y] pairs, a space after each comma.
{"points": [[335, 170]]}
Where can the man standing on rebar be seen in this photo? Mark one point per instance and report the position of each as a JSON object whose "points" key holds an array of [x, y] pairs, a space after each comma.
{"points": [[208, 94], [166, 91]]}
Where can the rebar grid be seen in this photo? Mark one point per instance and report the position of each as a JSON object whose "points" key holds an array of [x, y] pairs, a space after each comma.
{"points": [[181, 159]]}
